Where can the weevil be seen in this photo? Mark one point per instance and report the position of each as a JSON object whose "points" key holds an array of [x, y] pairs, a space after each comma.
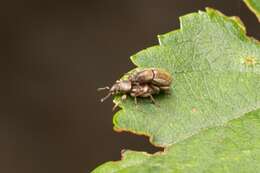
{"points": [[144, 83], [157, 77]]}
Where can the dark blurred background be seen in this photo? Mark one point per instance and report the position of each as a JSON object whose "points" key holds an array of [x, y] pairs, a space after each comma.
{"points": [[54, 54]]}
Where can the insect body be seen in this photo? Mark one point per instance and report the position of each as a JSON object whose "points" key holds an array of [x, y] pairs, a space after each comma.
{"points": [[144, 83], [155, 76]]}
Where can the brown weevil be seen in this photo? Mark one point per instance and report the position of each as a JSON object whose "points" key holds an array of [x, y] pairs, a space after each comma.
{"points": [[142, 83], [155, 76]]}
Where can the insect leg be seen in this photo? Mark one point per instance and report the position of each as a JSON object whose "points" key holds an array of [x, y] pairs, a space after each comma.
{"points": [[152, 99], [166, 89], [135, 100], [123, 97], [155, 89], [115, 106]]}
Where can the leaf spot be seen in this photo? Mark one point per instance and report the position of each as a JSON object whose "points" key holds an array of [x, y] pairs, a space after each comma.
{"points": [[249, 61], [194, 110]]}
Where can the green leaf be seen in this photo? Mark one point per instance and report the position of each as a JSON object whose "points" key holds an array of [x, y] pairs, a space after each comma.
{"points": [[206, 118], [254, 6], [233, 148], [213, 82]]}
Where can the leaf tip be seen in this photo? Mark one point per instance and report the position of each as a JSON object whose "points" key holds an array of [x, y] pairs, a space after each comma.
{"points": [[235, 19]]}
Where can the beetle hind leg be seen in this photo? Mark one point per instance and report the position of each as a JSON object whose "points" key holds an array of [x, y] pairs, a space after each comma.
{"points": [[166, 89], [152, 99]]}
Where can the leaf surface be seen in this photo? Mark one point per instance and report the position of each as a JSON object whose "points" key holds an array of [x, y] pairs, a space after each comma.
{"points": [[213, 80], [233, 148], [206, 118]]}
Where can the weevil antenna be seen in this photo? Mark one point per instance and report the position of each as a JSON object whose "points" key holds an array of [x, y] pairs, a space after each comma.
{"points": [[103, 88], [104, 98]]}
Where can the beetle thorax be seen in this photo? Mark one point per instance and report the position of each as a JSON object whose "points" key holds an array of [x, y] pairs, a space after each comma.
{"points": [[124, 86]]}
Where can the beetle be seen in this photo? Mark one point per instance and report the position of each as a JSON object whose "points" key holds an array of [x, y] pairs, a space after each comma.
{"points": [[155, 76], [144, 83], [126, 88]]}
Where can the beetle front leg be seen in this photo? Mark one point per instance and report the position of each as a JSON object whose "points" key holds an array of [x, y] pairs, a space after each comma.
{"points": [[124, 97], [115, 106], [135, 95]]}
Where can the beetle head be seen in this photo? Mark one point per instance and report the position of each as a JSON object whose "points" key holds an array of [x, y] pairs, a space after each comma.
{"points": [[119, 87], [123, 86]]}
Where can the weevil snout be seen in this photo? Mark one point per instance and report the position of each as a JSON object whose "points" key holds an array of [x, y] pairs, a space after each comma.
{"points": [[119, 87]]}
